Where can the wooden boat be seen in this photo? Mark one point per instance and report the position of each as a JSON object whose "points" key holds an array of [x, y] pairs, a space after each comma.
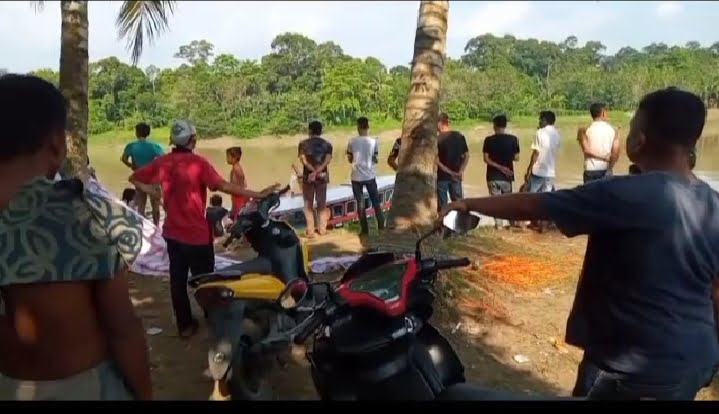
{"points": [[340, 201]]}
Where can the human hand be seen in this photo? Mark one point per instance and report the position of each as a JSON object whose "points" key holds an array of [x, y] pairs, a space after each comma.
{"points": [[458, 205]]}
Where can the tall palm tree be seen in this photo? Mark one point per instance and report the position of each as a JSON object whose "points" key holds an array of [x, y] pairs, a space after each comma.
{"points": [[414, 203], [137, 22]]}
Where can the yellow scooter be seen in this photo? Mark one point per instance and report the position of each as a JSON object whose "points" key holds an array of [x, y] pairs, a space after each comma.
{"points": [[241, 302]]}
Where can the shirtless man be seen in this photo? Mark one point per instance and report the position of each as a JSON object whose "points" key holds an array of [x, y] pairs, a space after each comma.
{"points": [[68, 330]]}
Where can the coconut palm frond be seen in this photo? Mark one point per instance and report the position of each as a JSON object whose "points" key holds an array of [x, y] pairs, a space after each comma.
{"points": [[140, 21], [38, 6]]}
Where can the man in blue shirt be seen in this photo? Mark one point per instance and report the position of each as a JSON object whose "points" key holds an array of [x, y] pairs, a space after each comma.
{"points": [[644, 311], [138, 154]]}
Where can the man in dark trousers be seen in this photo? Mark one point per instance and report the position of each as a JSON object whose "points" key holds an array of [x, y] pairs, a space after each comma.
{"points": [[185, 178], [500, 151], [645, 311], [362, 153], [453, 156]]}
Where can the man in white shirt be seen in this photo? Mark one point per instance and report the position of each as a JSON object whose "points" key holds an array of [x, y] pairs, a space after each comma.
{"points": [[362, 152], [599, 143], [542, 164]]}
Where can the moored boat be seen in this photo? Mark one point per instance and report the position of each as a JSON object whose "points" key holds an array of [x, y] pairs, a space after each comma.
{"points": [[340, 201]]}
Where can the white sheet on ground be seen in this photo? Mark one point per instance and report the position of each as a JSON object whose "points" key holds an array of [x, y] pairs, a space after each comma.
{"points": [[153, 260]]}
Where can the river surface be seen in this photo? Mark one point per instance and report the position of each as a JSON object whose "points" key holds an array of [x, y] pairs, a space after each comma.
{"points": [[269, 161]]}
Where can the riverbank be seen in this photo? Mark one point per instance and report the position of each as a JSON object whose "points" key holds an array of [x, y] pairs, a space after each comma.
{"points": [[522, 122], [505, 316]]}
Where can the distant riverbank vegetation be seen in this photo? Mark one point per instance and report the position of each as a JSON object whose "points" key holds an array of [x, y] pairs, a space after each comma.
{"points": [[301, 79]]}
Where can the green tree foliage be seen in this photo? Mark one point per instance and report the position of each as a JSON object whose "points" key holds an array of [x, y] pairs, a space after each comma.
{"points": [[300, 80]]}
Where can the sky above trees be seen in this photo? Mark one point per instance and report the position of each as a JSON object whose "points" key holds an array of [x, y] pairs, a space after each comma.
{"points": [[381, 29]]}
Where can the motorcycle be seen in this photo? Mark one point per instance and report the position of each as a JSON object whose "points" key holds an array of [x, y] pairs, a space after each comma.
{"points": [[240, 301], [372, 336]]}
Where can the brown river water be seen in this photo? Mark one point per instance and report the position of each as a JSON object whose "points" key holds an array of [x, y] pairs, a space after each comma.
{"points": [[268, 160]]}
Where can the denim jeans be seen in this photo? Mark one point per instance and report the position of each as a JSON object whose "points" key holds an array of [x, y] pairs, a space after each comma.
{"points": [[589, 176], [539, 184], [454, 188], [497, 187], [596, 384], [357, 190]]}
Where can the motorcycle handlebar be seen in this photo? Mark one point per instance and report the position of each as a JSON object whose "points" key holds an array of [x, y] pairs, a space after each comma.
{"points": [[312, 323], [452, 263], [265, 204]]}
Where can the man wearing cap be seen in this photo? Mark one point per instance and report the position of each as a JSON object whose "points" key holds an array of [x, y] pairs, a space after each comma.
{"points": [[185, 178]]}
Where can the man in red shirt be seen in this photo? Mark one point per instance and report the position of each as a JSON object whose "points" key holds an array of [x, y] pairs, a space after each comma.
{"points": [[185, 178]]}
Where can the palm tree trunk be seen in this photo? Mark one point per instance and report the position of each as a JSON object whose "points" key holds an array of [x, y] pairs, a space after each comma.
{"points": [[414, 204], [74, 78]]}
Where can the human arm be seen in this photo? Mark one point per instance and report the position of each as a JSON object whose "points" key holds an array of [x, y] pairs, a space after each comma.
{"points": [[506, 171], [616, 150], [321, 167], [604, 205], [303, 158], [536, 145], [584, 144], [125, 159], [465, 157], [144, 177], [488, 159], [375, 153], [239, 175], [350, 156], [325, 162], [214, 181], [446, 169], [125, 333]]}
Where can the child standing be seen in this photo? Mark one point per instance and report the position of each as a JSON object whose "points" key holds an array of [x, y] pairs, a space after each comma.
{"points": [[237, 176]]}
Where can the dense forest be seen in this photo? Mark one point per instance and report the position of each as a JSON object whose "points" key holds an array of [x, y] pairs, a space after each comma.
{"points": [[301, 80]]}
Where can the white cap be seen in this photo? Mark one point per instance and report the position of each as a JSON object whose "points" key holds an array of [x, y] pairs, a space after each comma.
{"points": [[181, 132]]}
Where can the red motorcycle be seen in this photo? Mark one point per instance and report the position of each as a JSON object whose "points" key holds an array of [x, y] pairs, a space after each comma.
{"points": [[372, 335]]}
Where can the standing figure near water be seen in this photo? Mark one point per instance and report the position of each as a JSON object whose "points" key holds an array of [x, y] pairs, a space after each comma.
{"points": [[452, 159], [543, 161], [138, 154], [315, 154], [500, 150], [68, 329], [237, 176], [185, 178], [362, 153], [647, 302], [599, 143]]}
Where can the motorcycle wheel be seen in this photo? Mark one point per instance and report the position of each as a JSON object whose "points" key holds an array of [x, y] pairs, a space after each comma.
{"points": [[249, 377]]}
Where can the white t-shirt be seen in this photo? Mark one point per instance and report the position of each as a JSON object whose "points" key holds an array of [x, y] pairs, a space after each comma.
{"points": [[363, 150], [546, 143], [600, 136]]}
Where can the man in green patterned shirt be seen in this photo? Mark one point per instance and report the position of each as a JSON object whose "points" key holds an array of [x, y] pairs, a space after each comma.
{"points": [[68, 330]]}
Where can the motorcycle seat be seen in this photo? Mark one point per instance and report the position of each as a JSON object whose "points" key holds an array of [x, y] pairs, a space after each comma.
{"points": [[237, 271]]}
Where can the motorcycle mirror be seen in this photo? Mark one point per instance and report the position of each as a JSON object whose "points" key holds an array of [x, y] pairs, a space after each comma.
{"points": [[460, 222], [293, 294]]}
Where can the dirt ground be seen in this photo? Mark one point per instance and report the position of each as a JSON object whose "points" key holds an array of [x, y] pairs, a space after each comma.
{"points": [[507, 330]]}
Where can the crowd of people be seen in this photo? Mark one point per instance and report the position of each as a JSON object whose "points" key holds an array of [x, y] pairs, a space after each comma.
{"points": [[645, 310]]}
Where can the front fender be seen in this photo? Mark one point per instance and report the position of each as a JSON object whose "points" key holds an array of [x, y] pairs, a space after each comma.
{"points": [[226, 330]]}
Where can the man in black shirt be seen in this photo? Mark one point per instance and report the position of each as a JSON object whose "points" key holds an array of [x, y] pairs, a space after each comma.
{"points": [[452, 160], [315, 154], [500, 151]]}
